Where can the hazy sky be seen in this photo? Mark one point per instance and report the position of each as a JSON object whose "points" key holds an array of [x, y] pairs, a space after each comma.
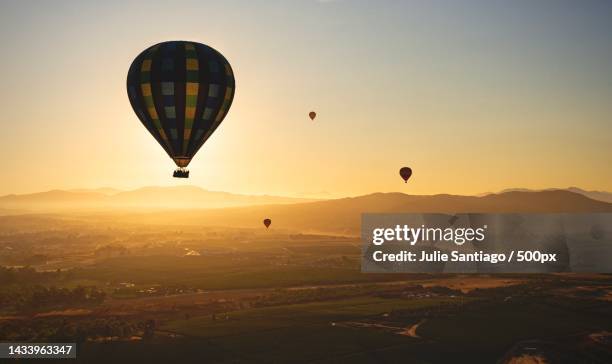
{"points": [[475, 96]]}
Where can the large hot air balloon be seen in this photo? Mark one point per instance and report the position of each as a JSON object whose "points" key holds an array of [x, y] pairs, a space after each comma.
{"points": [[312, 115], [267, 222], [181, 92], [405, 172]]}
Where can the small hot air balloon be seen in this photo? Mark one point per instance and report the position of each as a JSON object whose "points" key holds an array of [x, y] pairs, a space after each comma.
{"points": [[267, 222], [181, 92], [312, 115], [405, 172]]}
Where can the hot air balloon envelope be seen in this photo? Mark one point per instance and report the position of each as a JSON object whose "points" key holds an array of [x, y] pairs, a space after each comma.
{"points": [[181, 92], [405, 172], [312, 115], [267, 222]]}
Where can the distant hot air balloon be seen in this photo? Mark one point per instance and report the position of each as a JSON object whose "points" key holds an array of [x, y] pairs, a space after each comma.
{"points": [[181, 92], [267, 222], [312, 115], [405, 172]]}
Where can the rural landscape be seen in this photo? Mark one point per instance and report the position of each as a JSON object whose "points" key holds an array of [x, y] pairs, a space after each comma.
{"points": [[151, 284], [213, 181]]}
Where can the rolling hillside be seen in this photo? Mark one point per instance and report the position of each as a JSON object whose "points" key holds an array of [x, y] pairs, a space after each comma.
{"points": [[343, 215], [181, 197]]}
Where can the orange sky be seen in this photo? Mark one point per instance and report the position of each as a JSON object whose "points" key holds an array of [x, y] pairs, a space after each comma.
{"points": [[474, 97]]}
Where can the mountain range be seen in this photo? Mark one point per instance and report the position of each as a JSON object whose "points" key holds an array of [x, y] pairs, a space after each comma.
{"points": [[595, 195], [197, 206], [187, 197], [178, 197], [343, 216]]}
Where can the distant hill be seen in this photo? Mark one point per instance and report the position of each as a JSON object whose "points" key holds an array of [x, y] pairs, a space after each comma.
{"points": [[104, 190], [343, 215], [595, 195], [181, 197]]}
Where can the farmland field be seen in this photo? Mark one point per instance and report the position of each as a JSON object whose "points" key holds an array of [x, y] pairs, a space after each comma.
{"points": [[160, 294]]}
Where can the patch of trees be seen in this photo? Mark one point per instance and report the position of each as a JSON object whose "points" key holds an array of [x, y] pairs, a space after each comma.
{"points": [[284, 297], [417, 290], [111, 250], [26, 275], [77, 330], [36, 298]]}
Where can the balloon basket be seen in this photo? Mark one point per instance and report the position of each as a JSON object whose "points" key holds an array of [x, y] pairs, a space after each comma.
{"points": [[181, 173]]}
